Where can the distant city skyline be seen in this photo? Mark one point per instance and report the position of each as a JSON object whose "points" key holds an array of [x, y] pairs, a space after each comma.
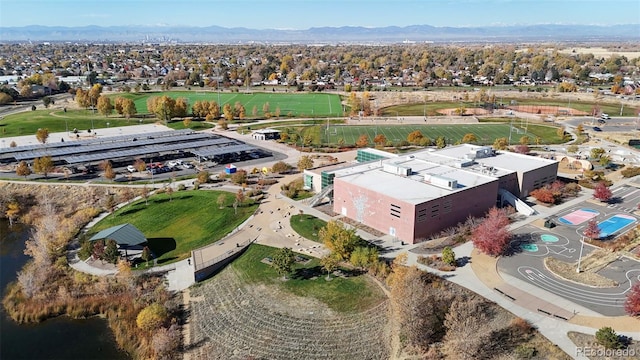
{"points": [[305, 14]]}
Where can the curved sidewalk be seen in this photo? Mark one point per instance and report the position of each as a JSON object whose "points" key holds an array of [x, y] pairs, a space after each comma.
{"points": [[482, 277]]}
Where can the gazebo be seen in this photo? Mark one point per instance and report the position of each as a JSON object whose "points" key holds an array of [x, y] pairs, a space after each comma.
{"points": [[127, 236]]}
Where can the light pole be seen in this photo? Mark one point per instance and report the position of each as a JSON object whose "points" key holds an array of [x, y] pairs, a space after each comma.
{"points": [[580, 256]]}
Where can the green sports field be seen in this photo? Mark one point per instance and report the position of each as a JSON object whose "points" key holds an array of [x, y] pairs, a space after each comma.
{"points": [[289, 104], [486, 133]]}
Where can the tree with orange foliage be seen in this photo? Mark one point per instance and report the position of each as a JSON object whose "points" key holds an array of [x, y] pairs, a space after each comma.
{"points": [[363, 141], [380, 140]]}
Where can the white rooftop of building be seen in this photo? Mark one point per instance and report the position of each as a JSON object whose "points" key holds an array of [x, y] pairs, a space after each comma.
{"points": [[429, 174], [505, 160], [425, 182]]}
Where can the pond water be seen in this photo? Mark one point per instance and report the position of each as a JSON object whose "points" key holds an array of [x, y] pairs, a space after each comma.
{"points": [[59, 338]]}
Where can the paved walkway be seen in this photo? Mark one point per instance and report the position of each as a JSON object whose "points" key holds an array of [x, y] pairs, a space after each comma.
{"points": [[482, 277]]}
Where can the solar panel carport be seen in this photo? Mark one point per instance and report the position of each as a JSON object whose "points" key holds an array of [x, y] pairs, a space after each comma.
{"points": [[122, 148], [29, 155], [221, 150], [103, 140], [155, 149]]}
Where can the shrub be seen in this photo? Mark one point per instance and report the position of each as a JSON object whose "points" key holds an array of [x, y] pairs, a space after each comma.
{"points": [[521, 325], [280, 167], [608, 338], [632, 304], [543, 195], [86, 248], [151, 317], [525, 352], [424, 260], [203, 177], [630, 171], [571, 189], [448, 256]]}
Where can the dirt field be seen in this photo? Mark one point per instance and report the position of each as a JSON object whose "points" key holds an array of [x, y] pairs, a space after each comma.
{"points": [[546, 110], [599, 52], [467, 111]]}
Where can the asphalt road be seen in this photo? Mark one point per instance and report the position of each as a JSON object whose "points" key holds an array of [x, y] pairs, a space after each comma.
{"points": [[614, 124]]}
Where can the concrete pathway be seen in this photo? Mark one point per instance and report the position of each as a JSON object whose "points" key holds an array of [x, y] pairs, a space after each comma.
{"points": [[481, 276]]}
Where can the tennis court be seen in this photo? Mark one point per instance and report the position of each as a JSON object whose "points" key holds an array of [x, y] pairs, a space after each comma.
{"points": [[485, 133], [615, 224], [578, 217]]}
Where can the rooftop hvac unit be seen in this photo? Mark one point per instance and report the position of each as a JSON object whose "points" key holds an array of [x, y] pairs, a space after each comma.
{"points": [[483, 152], [463, 163], [441, 181], [397, 169]]}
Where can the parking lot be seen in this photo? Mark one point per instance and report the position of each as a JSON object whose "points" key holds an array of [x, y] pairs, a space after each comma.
{"points": [[164, 153]]}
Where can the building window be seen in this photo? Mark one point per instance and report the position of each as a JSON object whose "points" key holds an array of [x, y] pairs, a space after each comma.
{"points": [[395, 210], [422, 215], [446, 206]]}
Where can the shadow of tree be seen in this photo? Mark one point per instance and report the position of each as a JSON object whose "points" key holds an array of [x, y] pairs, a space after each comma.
{"points": [[516, 245], [307, 273], [161, 246]]}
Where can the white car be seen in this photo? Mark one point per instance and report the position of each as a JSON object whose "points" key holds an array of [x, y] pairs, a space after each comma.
{"points": [[187, 166], [131, 168]]}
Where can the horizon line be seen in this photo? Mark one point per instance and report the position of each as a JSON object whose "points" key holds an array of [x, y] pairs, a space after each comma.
{"points": [[316, 27]]}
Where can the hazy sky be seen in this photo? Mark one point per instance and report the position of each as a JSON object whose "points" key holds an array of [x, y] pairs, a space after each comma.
{"points": [[303, 14]]}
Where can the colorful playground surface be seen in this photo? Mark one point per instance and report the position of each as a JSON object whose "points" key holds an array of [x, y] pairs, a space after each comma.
{"points": [[531, 246], [543, 244], [615, 224], [578, 217]]}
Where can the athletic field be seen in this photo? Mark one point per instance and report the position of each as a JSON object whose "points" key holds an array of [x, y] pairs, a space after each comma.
{"points": [[486, 133], [289, 104]]}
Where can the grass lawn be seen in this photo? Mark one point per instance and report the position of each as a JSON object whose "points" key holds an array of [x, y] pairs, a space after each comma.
{"points": [[290, 104], [307, 226], [486, 133], [353, 293], [191, 220], [27, 123]]}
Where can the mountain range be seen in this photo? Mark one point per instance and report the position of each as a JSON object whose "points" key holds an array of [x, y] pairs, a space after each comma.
{"points": [[323, 35]]}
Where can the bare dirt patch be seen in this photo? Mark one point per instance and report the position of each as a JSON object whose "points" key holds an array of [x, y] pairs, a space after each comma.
{"points": [[547, 110], [600, 52], [467, 111], [567, 271]]}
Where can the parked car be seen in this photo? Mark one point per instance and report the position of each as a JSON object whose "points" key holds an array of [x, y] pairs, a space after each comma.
{"points": [[187, 166], [131, 168]]}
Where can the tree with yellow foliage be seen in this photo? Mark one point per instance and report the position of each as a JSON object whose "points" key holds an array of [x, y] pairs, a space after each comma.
{"points": [[152, 317]]}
